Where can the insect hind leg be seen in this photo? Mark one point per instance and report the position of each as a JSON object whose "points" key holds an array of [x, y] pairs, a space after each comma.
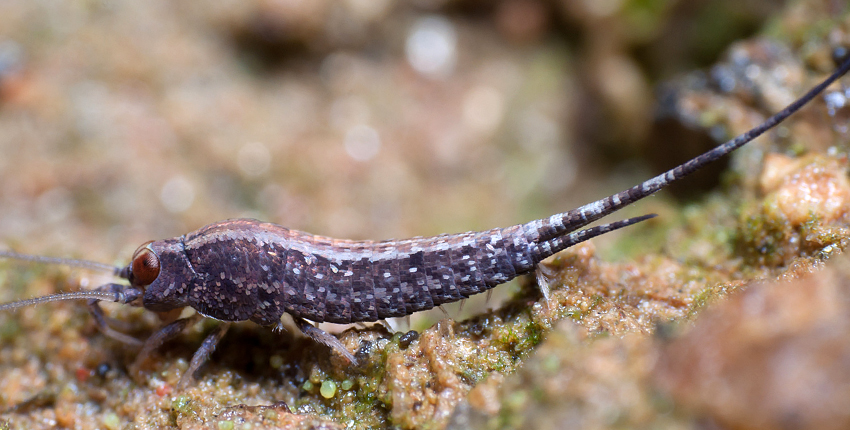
{"points": [[542, 274], [324, 338]]}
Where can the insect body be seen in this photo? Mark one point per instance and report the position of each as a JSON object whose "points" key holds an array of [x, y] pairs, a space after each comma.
{"points": [[244, 269]]}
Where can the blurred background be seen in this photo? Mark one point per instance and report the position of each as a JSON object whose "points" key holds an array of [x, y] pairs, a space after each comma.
{"points": [[126, 121]]}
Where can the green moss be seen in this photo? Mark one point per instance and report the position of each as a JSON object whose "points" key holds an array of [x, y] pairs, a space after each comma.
{"points": [[181, 406], [708, 295], [762, 233]]}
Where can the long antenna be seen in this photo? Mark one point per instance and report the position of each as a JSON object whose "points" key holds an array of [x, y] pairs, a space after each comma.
{"points": [[75, 295], [85, 264]]}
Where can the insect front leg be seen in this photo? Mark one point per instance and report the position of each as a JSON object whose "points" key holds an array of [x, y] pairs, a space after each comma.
{"points": [[104, 323]]}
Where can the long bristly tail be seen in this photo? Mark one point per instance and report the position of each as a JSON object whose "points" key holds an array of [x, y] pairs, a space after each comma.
{"points": [[563, 223]]}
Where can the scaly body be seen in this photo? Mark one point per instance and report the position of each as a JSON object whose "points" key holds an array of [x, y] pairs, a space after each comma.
{"points": [[272, 270]]}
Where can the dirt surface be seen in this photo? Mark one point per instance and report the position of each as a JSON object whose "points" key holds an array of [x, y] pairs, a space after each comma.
{"points": [[122, 121]]}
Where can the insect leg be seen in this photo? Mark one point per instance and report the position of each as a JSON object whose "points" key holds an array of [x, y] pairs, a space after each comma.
{"points": [[166, 333], [203, 353], [106, 324], [542, 273], [324, 338]]}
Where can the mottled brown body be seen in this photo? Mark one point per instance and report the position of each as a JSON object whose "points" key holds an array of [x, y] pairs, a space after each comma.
{"points": [[244, 269]]}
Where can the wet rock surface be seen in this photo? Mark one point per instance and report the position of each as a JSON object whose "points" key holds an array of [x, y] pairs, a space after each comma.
{"points": [[773, 356]]}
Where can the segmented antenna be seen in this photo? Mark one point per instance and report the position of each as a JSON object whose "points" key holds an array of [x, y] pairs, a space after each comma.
{"points": [[560, 224], [84, 264], [75, 295]]}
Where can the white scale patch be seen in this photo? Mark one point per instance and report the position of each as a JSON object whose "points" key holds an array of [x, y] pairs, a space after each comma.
{"points": [[655, 182], [593, 208]]}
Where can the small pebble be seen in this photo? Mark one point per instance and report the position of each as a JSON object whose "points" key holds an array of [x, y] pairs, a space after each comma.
{"points": [[275, 361], [111, 421], [406, 339]]}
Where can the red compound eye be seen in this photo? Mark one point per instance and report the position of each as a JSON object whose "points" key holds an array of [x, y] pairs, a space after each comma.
{"points": [[145, 265]]}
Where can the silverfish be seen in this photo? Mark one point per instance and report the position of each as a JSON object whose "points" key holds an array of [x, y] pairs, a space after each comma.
{"points": [[244, 269]]}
